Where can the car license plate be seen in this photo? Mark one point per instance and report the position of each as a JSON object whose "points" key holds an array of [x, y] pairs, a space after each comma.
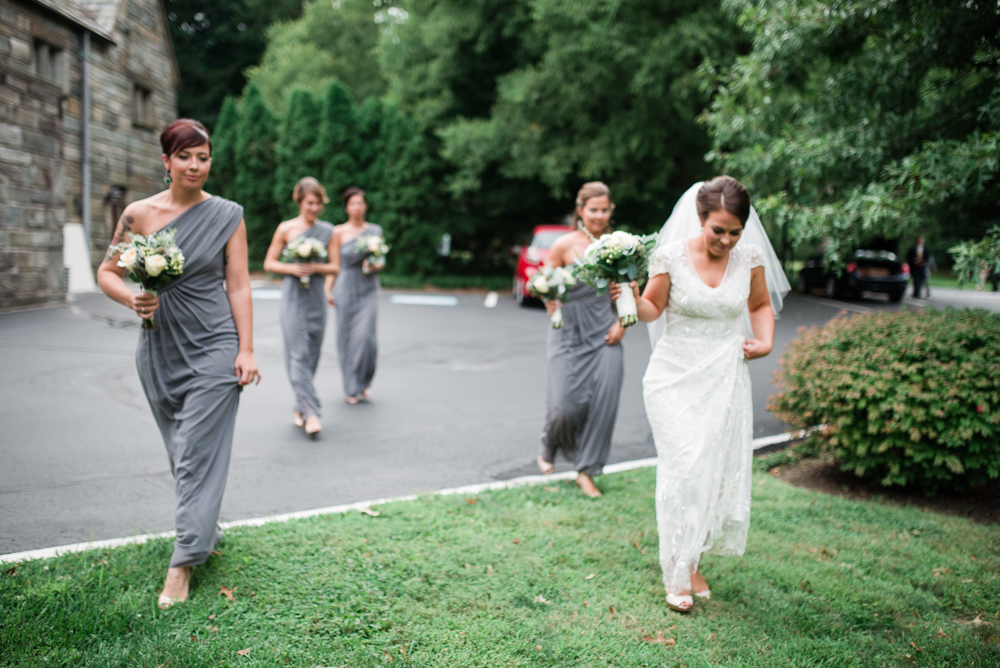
{"points": [[871, 272]]}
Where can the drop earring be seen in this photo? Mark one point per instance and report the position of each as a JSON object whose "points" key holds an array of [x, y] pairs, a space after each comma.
{"points": [[166, 178]]}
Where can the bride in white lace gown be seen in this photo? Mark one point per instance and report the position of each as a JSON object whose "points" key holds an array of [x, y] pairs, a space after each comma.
{"points": [[697, 385]]}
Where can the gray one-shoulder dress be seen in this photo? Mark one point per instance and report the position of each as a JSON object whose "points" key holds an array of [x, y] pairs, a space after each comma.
{"points": [[585, 381], [356, 297], [187, 368], [303, 322]]}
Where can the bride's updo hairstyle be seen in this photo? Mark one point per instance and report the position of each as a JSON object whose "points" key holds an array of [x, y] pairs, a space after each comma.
{"points": [[723, 193], [587, 191], [184, 133]]}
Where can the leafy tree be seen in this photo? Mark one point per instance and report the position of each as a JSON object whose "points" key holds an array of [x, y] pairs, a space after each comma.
{"points": [[214, 43], [295, 148], [223, 175], [333, 40], [254, 183], [857, 119]]}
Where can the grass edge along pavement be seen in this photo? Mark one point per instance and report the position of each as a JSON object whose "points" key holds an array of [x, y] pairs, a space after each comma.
{"points": [[534, 575]]}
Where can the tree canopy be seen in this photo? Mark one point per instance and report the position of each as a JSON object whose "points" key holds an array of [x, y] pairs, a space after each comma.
{"points": [[856, 119]]}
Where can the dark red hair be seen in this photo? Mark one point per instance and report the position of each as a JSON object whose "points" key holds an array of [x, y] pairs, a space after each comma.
{"points": [[184, 133]]}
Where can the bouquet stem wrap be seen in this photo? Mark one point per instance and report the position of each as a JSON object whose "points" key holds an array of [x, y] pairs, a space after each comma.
{"points": [[557, 321], [627, 311], [552, 284]]}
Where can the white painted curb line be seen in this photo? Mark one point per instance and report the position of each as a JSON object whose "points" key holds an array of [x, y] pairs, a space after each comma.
{"points": [[528, 480]]}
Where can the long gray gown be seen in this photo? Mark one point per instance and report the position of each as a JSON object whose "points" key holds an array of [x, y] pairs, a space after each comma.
{"points": [[356, 296], [303, 322], [187, 370], [585, 381]]}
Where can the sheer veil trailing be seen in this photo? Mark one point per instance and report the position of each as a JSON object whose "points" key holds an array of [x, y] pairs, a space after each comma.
{"points": [[683, 223]]}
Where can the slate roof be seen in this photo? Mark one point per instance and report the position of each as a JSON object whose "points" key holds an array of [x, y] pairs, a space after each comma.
{"points": [[97, 16]]}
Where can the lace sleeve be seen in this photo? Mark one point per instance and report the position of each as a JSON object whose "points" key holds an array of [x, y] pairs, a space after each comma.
{"points": [[756, 256], [661, 261]]}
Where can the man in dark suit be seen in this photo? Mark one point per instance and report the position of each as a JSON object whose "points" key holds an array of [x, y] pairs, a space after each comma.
{"points": [[919, 259]]}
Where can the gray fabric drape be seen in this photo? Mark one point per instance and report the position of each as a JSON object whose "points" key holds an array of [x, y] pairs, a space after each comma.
{"points": [[187, 370], [303, 322], [356, 296], [584, 383]]}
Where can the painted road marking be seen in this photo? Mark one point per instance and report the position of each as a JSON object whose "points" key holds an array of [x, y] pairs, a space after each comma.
{"points": [[424, 300]]}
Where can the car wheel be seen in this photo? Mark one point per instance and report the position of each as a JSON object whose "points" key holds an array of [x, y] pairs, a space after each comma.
{"points": [[519, 292], [896, 297], [830, 289]]}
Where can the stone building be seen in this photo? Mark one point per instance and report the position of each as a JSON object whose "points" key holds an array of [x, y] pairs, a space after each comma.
{"points": [[86, 86]]}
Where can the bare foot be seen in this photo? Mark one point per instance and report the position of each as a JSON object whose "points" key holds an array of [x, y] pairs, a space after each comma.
{"points": [[175, 587], [586, 483], [313, 426], [297, 420], [698, 585], [544, 466]]}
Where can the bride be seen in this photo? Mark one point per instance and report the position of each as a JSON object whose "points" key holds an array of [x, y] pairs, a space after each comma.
{"points": [[709, 277]]}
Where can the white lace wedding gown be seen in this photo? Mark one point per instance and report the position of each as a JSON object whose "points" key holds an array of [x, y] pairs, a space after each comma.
{"points": [[697, 395]]}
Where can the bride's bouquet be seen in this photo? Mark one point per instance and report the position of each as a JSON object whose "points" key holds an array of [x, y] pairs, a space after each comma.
{"points": [[374, 250], [300, 251], [152, 262], [552, 283], [618, 257]]}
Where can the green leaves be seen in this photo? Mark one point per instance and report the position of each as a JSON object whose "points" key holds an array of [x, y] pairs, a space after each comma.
{"points": [[908, 397]]}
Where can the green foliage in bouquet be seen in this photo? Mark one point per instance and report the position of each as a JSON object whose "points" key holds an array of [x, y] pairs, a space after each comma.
{"points": [[911, 397], [618, 257]]}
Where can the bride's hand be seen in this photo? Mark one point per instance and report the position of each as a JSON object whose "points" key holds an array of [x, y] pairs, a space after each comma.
{"points": [[615, 290], [754, 348], [551, 306]]}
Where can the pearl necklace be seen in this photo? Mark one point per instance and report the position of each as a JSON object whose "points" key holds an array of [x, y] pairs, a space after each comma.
{"points": [[583, 228]]}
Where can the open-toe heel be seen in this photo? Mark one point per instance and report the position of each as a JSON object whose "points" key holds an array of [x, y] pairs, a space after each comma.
{"points": [[680, 603]]}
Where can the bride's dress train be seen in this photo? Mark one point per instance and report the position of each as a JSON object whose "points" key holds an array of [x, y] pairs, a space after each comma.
{"points": [[697, 396]]}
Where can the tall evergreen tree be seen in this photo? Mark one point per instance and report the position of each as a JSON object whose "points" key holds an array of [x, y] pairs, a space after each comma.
{"points": [[295, 154], [254, 183], [223, 175], [337, 144]]}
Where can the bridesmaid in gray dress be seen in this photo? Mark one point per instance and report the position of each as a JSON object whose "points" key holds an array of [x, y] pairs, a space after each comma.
{"points": [[303, 306], [193, 365], [585, 360], [355, 295]]}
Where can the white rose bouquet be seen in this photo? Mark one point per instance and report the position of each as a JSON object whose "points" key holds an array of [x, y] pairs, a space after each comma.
{"points": [[374, 249], [300, 251], [620, 257], [550, 283], [152, 262]]}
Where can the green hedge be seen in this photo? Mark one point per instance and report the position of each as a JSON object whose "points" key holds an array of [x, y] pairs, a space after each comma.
{"points": [[911, 397]]}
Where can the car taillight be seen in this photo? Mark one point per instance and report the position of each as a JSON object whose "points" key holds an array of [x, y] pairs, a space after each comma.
{"points": [[852, 267], [906, 269]]}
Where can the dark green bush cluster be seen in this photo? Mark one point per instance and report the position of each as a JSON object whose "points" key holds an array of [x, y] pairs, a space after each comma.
{"points": [[911, 397]]}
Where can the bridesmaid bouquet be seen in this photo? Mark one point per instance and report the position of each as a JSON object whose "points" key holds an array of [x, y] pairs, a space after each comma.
{"points": [[374, 250], [152, 262], [299, 251], [552, 283], [618, 257]]}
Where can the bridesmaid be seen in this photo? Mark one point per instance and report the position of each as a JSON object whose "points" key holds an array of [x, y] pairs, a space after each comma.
{"points": [[586, 362], [356, 297], [193, 365], [303, 308]]}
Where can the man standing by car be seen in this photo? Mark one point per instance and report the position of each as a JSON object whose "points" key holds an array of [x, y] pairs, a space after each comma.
{"points": [[919, 259]]}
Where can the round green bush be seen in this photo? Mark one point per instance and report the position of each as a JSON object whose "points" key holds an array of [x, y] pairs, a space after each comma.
{"points": [[909, 398]]}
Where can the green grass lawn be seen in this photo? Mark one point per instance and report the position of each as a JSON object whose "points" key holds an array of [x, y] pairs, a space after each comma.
{"points": [[530, 577]]}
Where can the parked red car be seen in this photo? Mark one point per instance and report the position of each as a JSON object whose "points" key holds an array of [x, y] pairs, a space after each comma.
{"points": [[532, 256]]}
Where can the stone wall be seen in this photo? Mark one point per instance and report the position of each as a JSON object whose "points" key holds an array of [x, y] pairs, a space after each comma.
{"points": [[40, 136]]}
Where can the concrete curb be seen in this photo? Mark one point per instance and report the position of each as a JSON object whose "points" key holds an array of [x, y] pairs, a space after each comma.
{"points": [[523, 481]]}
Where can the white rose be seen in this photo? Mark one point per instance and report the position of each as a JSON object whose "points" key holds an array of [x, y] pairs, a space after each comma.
{"points": [[155, 264], [541, 285], [373, 244], [304, 250], [128, 258]]}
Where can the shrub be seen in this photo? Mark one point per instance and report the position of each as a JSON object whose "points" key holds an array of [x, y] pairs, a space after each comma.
{"points": [[911, 397]]}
